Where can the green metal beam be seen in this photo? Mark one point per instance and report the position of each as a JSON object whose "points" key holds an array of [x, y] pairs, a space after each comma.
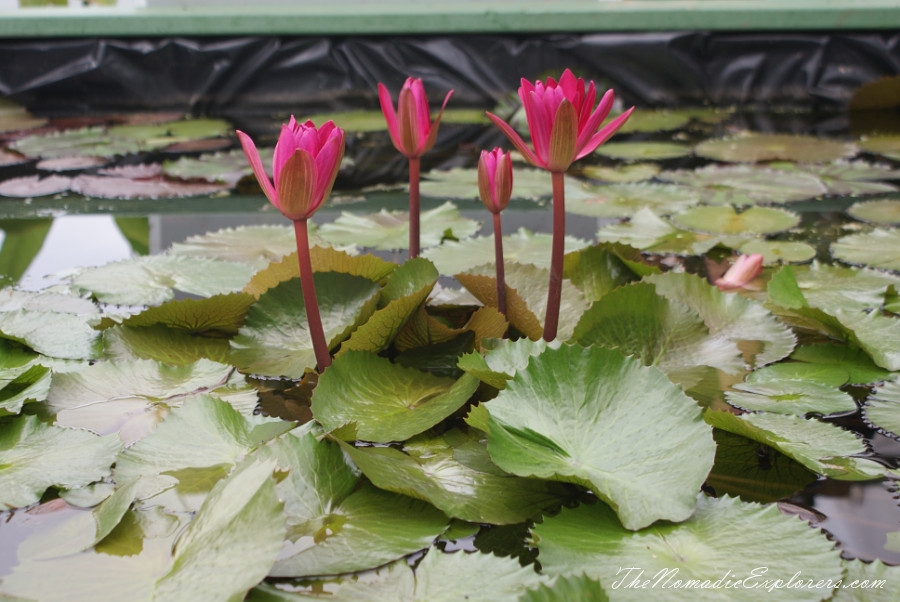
{"points": [[350, 17]]}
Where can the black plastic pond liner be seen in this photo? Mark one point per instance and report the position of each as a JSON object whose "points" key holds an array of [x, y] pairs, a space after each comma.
{"points": [[215, 76]]}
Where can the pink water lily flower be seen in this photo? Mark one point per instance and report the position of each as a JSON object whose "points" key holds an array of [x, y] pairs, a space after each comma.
{"points": [[744, 270], [495, 179], [410, 126], [562, 120], [306, 163]]}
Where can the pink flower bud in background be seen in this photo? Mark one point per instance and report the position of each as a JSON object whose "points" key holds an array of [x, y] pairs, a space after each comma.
{"points": [[495, 179], [410, 126]]}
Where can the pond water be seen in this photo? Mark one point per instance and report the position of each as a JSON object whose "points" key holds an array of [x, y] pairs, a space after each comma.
{"points": [[823, 178]]}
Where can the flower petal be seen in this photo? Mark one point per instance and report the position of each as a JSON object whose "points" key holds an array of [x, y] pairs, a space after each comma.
{"points": [[390, 116], [256, 165], [589, 127], [517, 141], [562, 138], [432, 134], [297, 186]]}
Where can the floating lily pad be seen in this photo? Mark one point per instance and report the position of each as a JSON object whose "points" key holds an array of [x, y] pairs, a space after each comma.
{"points": [[90, 141], [455, 473], [35, 456], [879, 248], [35, 186], [884, 212], [651, 233], [646, 120], [754, 148], [795, 397], [225, 168], [275, 340], [724, 538], [624, 200], [256, 246], [55, 325], [15, 118], [162, 135], [453, 257], [70, 163], [382, 401], [822, 447], [153, 279], [548, 421], [779, 251], [644, 151], [113, 187], [882, 408], [886, 145], [725, 220], [747, 184], [462, 184], [633, 172], [7, 158], [849, 177], [132, 397], [389, 230], [22, 384], [857, 365]]}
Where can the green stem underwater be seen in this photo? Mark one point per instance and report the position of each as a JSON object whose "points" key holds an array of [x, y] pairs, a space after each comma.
{"points": [[498, 260], [554, 294], [413, 207], [314, 320]]}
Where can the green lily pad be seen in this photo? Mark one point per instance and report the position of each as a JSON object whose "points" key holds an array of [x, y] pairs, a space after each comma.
{"points": [[755, 472], [231, 543], [879, 248], [163, 344], [151, 280], [53, 324], [884, 212], [823, 448], [648, 120], [275, 340], [547, 423], [834, 287], [132, 397], [724, 220], [886, 145], [161, 135], [866, 581], [633, 172], [567, 588], [526, 300], [856, 363], [22, 384], [725, 539], [389, 230], [624, 200], [747, 184], [644, 151], [598, 269], [256, 246], [382, 401], [225, 168], [653, 234], [779, 251], [503, 359], [454, 472], [90, 141], [882, 408], [219, 316], [754, 148], [35, 456], [453, 257], [15, 118], [848, 177], [797, 397], [405, 292]]}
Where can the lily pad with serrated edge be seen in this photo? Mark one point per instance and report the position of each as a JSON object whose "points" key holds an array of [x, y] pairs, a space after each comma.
{"points": [[389, 230], [797, 397], [90, 141], [547, 423], [747, 184], [725, 220], [886, 145], [35, 186], [780, 251], [112, 187], [226, 167], [884, 212], [879, 248], [648, 232], [523, 246], [724, 539], [644, 151], [256, 246], [70, 163], [634, 172], [754, 148], [848, 177], [624, 200], [882, 408]]}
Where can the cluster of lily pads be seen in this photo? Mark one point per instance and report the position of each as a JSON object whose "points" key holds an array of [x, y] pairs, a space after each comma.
{"points": [[164, 435]]}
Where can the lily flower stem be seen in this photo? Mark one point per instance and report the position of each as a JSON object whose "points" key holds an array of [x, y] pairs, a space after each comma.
{"points": [[498, 260], [557, 251], [313, 318], [413, 207]]}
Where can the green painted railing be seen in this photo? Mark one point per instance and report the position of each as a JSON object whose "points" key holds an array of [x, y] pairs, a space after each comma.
{"points": [[360, 17]]}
